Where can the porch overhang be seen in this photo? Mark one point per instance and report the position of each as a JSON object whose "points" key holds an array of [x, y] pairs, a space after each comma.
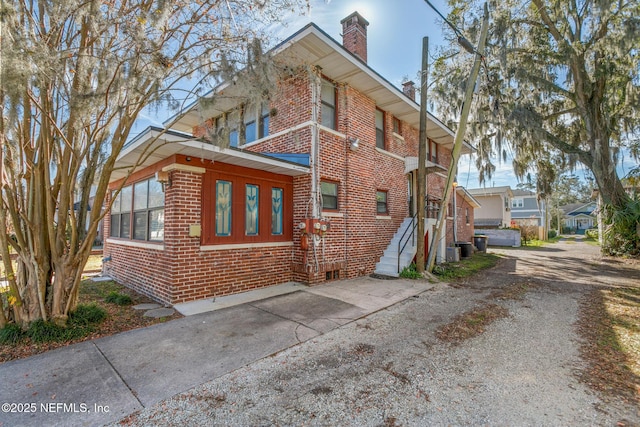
{"points": [[155, 144], [411, 164]]}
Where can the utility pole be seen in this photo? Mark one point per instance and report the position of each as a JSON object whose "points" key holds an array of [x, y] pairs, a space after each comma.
{"points": [[422, 156], [457, 144]]}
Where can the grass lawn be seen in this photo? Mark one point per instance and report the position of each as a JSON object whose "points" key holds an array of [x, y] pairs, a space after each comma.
{"points": [[456, 270]]}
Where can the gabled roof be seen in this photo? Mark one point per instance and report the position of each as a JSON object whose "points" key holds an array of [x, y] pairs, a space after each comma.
{"points": [[578, 208], [315, 47]]}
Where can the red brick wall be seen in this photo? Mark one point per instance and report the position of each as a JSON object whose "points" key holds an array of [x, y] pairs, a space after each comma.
{"points": [[357, 236], [182, 271]]}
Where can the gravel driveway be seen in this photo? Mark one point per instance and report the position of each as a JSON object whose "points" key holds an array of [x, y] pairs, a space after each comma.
{"points": [[390, 369]]}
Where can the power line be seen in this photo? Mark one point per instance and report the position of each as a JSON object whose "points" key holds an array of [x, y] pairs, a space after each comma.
{"points": [[462, 41]]}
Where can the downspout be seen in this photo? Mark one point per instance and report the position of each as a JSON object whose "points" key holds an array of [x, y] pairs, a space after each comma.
{"points": [[316, 83], [315, 146], [346, 184]]}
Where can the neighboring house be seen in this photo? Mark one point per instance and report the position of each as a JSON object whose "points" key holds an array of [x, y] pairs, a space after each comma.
{"points": [[320, 182], [495, 207], [578, 217], [528, 211]]}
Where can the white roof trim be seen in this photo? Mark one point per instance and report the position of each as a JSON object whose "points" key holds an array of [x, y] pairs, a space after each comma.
{"points": [[157, 146]]}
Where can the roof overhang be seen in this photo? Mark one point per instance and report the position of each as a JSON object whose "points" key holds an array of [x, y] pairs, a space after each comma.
{"points": [[154, 145], [468, 197], [313, 46], [491, 191]]}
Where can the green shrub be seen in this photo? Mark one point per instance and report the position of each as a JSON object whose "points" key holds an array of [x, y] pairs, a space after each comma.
{"points": [[551, 234], [11, 334], [41, 331], [592, 233], [117, 298], [81, 323], [87, 314], [410, 272]]}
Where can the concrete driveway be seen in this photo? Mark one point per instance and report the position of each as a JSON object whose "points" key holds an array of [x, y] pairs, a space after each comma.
{"points": [[101, 381]]}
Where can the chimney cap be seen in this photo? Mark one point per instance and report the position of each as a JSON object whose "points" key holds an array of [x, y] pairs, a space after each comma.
{"points": [[359, 17]]}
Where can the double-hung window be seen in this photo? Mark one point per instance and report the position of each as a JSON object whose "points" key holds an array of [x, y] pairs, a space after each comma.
{"points": [[328, 102], [329, 192], [380, 129], [121, 214], [148, 210], [381, 202], [397, 126], [433, 152]]}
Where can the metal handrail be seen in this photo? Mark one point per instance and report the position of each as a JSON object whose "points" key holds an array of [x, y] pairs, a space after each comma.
{"points": [[411, 236]]}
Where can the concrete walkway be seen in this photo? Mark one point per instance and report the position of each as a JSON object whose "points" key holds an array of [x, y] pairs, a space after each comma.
{"points": [[101, 381]]}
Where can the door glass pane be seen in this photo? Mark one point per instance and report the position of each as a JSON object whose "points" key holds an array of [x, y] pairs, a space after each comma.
{"points": [[276, 211], [251, 210], [223, 208]]}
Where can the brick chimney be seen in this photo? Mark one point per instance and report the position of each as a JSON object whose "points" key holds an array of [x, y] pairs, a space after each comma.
{"points": [[409, 89], [354, 35]]}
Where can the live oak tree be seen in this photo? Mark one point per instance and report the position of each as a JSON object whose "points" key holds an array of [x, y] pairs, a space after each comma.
{"points": [[75, 76], [560, 85]]}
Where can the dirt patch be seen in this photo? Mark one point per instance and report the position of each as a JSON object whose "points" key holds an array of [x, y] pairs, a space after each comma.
{"points": [[610, 323], [471, 324]]}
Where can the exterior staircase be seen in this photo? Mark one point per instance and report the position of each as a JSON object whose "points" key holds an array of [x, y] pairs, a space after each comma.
{"points": [[388, 265]]}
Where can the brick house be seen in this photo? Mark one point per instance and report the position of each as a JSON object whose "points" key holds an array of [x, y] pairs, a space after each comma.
{"points": [[313, 186]]}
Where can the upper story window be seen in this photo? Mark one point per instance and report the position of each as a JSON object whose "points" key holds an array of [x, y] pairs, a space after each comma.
{"points": [[433, 152], [380, 129], [329, 192], [397, 126], [256, 123], [144, 202], [241, 125], [381, 202], [517, 203], [328, 115]]}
